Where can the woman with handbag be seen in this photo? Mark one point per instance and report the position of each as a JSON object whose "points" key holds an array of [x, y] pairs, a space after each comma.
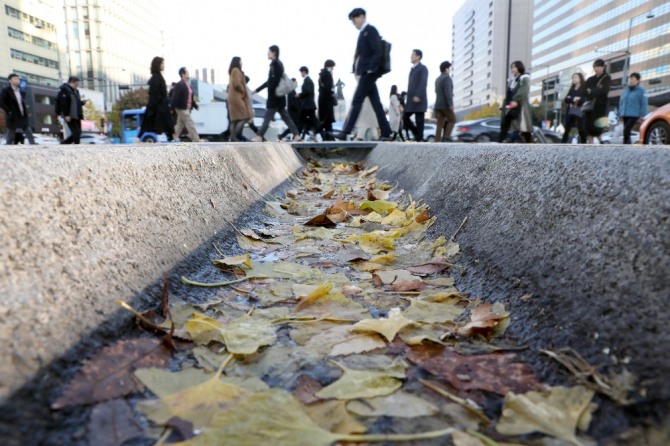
{"points": [[595, 105], [516, 107], [276, 103], [574, 117]]}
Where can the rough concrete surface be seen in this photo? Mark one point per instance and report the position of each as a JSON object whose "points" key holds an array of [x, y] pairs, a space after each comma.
{"points": [[82, 227]]}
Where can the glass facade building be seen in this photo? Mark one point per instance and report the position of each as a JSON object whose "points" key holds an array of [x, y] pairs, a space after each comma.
{"points": [[630, 35]]}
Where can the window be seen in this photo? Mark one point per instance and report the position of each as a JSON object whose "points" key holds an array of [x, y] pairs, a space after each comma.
{"points": [[38, 80], [20, 35], [130, 122], [31, 58], [38, 23]]}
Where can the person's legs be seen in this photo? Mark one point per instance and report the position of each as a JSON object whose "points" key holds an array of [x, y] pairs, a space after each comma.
{"points": [[376, 102], [11, 136], [408, 124], [269, 114], [288, 121], [441, 118], [420, 120], [179, 127], [628, 124], [28, 133], [236, 129], [451, 122], [504, 128], [190, 127], [568, 129], [356, 104], [75, 127]]}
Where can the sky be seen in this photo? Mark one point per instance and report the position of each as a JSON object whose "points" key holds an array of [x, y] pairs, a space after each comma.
{"points": [[208, 33]]}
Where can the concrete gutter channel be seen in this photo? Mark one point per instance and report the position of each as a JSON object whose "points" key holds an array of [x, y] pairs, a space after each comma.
{"points": [[585, 230]]}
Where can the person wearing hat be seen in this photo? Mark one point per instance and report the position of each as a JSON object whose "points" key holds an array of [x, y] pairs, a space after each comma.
{"points": [[13, 103], [70, 106], [369, 54]]}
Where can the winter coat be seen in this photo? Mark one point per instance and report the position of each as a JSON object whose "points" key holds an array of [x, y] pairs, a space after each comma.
{"points": [[444, 92], [275, 74], [571, 101], [69, 102], [326, 96], [238, 98], [369, 51], [179, 97], [633, 102], [394, 113], [597, 89], [417, 86], [14, 119], [518, 89], [157, 116], [307, 94]]}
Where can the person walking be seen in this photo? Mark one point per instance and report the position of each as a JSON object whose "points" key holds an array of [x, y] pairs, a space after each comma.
{"points": [[595, 105], [182, 101], [293, 108], [238, 99], [574, 117], [12, 101], [367, 64], [157, 117], [444, 104], [632, 105], [275, 104], [516, 107], [308, 119], [327, 100], [70, 106], [395, 114], [417, 96]]}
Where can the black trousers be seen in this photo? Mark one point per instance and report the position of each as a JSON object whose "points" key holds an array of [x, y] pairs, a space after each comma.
{"points": [[308, 121], [367, 88], [574, 122], [417, 129], [628, 124], [75, 129]]}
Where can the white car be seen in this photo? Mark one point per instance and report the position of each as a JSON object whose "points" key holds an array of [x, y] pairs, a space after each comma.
{"points": [[93, 138], [44, 140]]}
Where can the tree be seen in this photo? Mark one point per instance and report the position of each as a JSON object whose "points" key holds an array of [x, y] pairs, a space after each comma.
{"points": [[91, 114], [488, 111], [131, 100]]}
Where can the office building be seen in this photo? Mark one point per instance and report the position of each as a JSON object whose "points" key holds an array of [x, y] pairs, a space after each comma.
{"points": [[487, 37], [630, 35], [110, 43]]}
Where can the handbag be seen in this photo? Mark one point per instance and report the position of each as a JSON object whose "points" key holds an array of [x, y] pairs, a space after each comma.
{"points": [[576, 112], [285, 86], [513, 113], [587, 106]]}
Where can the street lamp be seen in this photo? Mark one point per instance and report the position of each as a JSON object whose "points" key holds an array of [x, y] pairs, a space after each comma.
{"points": [[626, 65]]}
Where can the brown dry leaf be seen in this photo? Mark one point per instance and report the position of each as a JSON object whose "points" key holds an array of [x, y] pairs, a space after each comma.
{"points": [[109, 373], [496, 372], [355, 384], [428, 268], [329, 194], [387, 327], [422, 217], [389, 277], [251, 234], [321, 220], [433, 312], [484, 319], [556, 412], [408, 285], [378, 194], [112, 424], [400, 404], [305, 388], [333, 416], [344, 206]]}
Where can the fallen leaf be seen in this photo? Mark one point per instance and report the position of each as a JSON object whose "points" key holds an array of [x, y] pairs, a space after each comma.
{"points": [[433, 312], [389, 277], [427, 269], [244, 259], [333, 416], [556, 412], [329, 194], [375, 242], [483, 319], [408, 285], [357, 344], [305, 388], [381, 207], [364, 383], [246, 335], [387, 327], [203, 329], [321, 220], [112, 424], [395, 218], [108, 374], [400, 404], [314, 295], [378, 194]]}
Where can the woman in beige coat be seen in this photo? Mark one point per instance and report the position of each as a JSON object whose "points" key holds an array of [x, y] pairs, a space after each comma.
{"points": [[238, 99]]}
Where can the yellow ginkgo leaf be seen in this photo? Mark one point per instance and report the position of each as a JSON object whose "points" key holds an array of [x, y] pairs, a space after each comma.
{"points": [[385, 259], [203, 329], [245, 335], [433, 312], [387, 327], [395, 276], [244, 259], [355, 384], [556, 412], [314, 295], [376, 241], [400, 404], [333, 416], [395, 218], [381, 207], [359, 343]]}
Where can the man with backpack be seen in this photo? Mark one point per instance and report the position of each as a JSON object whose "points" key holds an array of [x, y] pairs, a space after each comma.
{"points": [[71, 107], [368, 68]]}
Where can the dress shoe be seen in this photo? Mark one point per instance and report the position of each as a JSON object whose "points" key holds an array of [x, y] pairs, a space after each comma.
{"points": [[385, 139], [340, 136]]}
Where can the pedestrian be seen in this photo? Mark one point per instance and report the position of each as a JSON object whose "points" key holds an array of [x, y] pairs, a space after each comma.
{"points": [[366, 125], [293, 108], [238, 99], [574, 117], [444, 104], [632, 105], [367, 65], [395, 114], [327, 100], [275, 104], [308, 119], [417, 96], [250, 96], [516, 107], [12, 101], [182, 101], [157, 117], [71, 107], [595, 105]]}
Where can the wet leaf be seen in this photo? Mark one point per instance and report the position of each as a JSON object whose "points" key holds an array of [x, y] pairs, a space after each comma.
{"points": [[387, 327], [556, 412], [108, 374], [433, 312], [244, 259], [399, 404], [112, 424], [497, 372], [364, 383]]}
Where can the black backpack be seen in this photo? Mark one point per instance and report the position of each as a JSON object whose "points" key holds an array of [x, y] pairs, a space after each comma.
{"points": [[385, 65]]}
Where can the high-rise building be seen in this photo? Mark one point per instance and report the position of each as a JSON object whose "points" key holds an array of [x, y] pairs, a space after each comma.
{"points": [[630, 35], [487, 36], [110, 43]]}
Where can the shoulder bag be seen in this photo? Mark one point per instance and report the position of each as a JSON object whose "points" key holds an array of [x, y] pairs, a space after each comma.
{"points": [[285, 86]]}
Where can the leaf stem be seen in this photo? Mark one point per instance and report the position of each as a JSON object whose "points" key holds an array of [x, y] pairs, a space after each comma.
{"points": [[219, 372], [457, 400], [212, 284], [394, 437]]}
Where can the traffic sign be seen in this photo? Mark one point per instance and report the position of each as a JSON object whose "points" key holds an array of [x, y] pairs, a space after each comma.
{"points": [[23, 84]]}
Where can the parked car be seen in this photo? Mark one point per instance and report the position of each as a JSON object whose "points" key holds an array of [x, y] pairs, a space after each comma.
{"points": [[655, 128], [478, 130], [615, 136], [45, 140], [93, 138], [551, 136], [429, 132]]}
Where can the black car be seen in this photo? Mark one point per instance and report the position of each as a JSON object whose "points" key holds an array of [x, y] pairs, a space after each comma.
{"points": [[478, 130]]}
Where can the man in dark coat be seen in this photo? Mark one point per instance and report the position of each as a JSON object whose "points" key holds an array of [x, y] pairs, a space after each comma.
{"points": [[368, 61], [307, 104], [327, 100], [16, 114], [70, 106], [417, 96]]}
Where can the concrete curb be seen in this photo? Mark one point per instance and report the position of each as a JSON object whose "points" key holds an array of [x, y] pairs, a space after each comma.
{"points": [[82, 227]]}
